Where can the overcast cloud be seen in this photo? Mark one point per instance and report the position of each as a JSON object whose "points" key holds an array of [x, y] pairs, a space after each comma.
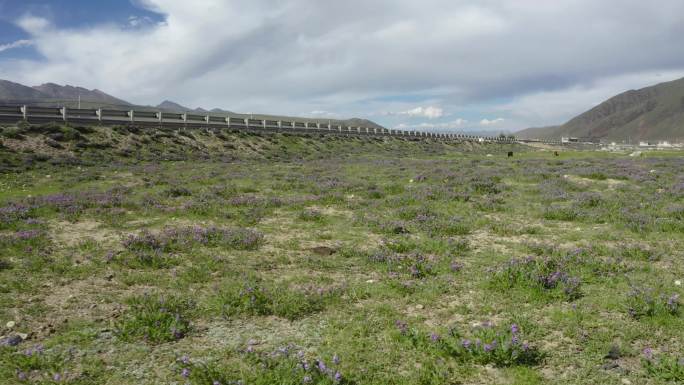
{"points": [[445, 64]]}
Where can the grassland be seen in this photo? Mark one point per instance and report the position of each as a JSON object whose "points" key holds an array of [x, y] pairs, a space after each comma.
{"points": [[147, 257]]}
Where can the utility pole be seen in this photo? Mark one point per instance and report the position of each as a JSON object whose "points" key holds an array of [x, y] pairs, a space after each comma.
{"points": [[79, 101]]}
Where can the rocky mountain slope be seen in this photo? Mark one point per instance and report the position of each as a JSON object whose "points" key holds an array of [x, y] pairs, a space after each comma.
{"points": [[651, 113]]}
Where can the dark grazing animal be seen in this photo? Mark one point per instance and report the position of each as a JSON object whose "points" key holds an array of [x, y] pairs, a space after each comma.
{"points": [[510, 154], [555, 153]]}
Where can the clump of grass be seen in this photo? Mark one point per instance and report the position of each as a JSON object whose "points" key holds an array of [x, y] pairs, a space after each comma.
{"points": [[155, 319], [663, 367], [649, 302], [40, 365], [560, 213], [548, 276], [311, 215], [486, 184], [253, 296], [415, 264], [285, 365], [638, 253], [491, 203], [33, 365], [484, 345], [11, 214], [153, 249], [449, 227], [177, 191]]}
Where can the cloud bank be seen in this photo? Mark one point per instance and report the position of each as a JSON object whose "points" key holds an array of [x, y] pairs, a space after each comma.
{"points": [[476, 59]]}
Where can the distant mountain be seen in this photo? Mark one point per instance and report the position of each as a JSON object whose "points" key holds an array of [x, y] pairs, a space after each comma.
{"points": [[547, 132], [11, 92], [356, 122], [172, 106], [50, 94], [220, 111], [651, 113], [71, 93]]}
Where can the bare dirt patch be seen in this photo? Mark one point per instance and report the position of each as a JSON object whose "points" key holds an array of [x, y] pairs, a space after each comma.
{"points": [[71, 234]]}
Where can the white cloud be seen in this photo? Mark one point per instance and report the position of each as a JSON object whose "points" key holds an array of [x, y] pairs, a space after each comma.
{"points": [[321, 113], [445, 126], [137, 22], [15, 44], [429, 112], [487, 122], [34, 24]]}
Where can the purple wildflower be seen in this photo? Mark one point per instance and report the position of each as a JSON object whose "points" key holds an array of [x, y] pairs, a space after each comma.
{"points": [[336, 359], [456, 267], [185, 372], [402, 326], [306, 380], [338, 377], [515, 329], [57, 377], [648, 353], [466, 343], [434, 337], [321, 366], [488, 348]]}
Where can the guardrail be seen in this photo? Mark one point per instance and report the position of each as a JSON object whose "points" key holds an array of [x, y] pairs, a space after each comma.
{"points": [[102, 116]]}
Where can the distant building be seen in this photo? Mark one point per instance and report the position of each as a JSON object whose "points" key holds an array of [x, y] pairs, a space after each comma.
{"points": [[585, 139]]}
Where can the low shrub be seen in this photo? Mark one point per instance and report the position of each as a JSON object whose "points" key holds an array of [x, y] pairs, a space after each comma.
{"points": [[663, 367], [155, 319], [484, 345], [153, 249], [286, 365], [550, 276], [253, 296], [649, 302]]}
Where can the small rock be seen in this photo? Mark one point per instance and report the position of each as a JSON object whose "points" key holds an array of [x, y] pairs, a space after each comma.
{"points": [[626, 381], [10, 324], [23, 336], [370, 281], [419, 307], [109, 277], [613, 353], [12, 340]]}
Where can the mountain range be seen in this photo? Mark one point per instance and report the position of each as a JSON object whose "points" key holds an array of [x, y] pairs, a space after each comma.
{"points": [[651, 113], [51, 94]]}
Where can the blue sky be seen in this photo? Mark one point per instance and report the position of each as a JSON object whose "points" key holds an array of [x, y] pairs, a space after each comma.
{"points": [[64, 14], [444, 65]]}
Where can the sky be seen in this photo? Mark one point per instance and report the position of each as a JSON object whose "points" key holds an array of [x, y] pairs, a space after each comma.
{"points": [[442, 65]]}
